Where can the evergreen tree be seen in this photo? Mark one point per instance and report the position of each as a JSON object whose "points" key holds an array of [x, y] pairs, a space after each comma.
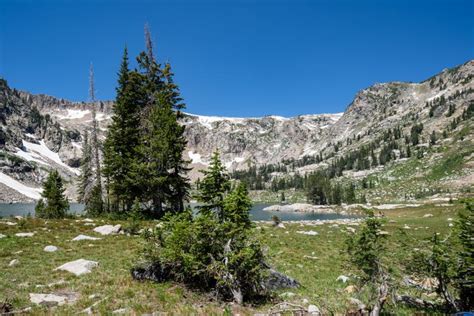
{"points": [[154, 151], [237, 205], [464, 279], [123, 138], [366, 252], [54, 203], [433, 138], [350, 194], [177, 182], [214, 250], [213, 188], [162, 167]]}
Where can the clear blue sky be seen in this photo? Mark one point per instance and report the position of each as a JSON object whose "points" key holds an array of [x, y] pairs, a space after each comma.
{"points": [[236, 58]]}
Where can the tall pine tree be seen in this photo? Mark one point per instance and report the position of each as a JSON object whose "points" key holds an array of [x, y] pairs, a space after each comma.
{"points": [[178, 183], [123, 138]]}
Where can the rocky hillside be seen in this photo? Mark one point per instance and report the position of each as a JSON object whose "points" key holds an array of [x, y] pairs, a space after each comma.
{"points": [[39, 132]]}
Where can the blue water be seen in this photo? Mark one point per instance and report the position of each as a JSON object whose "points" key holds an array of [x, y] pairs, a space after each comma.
{"points": [[256, 213]]}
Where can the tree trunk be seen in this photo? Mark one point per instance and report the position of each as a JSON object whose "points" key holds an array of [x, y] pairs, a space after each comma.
{"points": [[381, 296]]}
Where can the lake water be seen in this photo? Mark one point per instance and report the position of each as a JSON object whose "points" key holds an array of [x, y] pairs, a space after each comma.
{"points": [[256, 213]]}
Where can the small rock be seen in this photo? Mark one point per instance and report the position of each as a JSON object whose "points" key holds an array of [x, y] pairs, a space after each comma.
{"points": [[14, 262], [60, 282], [351, 229], [9, 223], [78, 267], [450, 219], [24, 234], [287, 294], [47, 299], [310, 232], [351, 289], [280, 225], [313, 310], [53, 299], [450, 225], [50, 248], [305, 301], [406, 227], [427, 215], [18, 217], [310, 257], [2, 236], [88, 220], [120, 311], [342, 278], [84, 237], [361, 306], [383, 232], [108, 229]]}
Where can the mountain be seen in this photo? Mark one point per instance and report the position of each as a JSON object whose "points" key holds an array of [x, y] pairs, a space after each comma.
{"points": [[40, 132]]}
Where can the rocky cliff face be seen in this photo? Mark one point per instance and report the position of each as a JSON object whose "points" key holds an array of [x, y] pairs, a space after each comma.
{"points": [[397, 104], [39, 132]]}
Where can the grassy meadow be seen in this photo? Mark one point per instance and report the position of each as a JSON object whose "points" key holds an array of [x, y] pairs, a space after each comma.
{"points": [[315, 261]]}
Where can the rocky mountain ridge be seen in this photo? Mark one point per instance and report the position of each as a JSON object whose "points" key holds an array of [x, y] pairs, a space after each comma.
{"points": [[39, 131]]}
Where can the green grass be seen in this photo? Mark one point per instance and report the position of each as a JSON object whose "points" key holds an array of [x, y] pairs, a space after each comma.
{"points": [[113, 286]]}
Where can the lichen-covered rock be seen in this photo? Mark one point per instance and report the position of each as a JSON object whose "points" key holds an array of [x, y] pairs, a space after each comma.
{"points": [[79, 267], [277, 280], [108, 229]]}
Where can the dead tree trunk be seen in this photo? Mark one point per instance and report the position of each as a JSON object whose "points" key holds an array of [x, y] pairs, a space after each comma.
{"points": [[234, 284], [382, 294]]}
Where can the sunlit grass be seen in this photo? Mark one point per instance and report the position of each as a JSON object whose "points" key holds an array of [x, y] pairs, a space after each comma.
{"points": [[111, 285]]}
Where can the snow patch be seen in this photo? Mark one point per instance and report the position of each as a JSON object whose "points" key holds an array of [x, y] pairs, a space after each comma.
{"points": [[33, 193], [42, 152], [72, 114], [195, 158]]}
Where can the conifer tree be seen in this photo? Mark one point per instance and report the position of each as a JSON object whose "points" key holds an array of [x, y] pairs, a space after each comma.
{"points": [[54, 203], [178, 183], [213, 188], [433, 138], [154, 150], [123, 138], [163, 140], [237, 205], [464, 279]]}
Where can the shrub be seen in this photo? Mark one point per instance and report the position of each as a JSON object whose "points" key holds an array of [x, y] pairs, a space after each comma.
{"points": [[214, 250], [208, 254], [366, 253], [450, 261]]}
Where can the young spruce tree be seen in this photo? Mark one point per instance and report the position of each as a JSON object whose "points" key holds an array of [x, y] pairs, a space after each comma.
{"points": [[213, 187], [54, 203]]}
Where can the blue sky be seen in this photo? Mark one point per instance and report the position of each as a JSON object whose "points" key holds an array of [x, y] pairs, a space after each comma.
{"points": [[236, 58]]}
